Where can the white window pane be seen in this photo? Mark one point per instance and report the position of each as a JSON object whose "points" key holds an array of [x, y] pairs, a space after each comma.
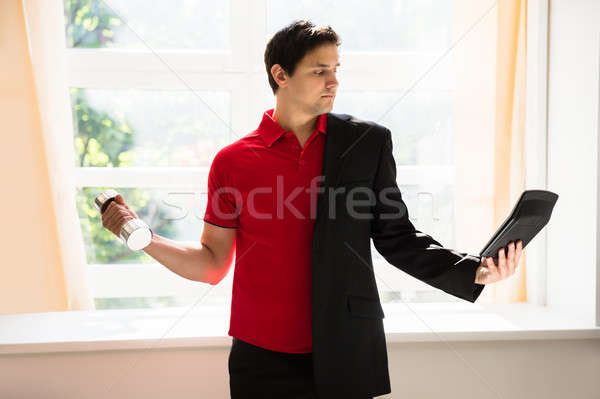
{"points": [[421, 122], [154, 302], [149, 128], [182, 24], [378, 25], [174, 214], [417, 296], [431, 210]]}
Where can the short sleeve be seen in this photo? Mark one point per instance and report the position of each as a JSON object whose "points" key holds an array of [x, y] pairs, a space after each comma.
{"points": [[223, 199]]}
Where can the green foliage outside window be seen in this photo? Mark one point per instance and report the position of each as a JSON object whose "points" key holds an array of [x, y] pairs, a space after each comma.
{"points": [[104, 140]]}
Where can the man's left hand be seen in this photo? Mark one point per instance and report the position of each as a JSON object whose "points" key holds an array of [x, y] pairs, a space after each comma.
{"points": [[491, 271]]}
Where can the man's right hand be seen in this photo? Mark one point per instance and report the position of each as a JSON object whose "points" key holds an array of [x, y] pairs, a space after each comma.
{"points": [[116, 215]]}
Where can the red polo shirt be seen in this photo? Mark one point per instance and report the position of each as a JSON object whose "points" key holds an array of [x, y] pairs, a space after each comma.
{"points": [[264, 184]]}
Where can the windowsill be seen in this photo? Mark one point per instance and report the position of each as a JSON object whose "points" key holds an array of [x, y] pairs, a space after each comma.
{"points": [[207, 326]]}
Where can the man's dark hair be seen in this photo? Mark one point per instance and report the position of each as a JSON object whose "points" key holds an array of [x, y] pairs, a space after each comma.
{"points": [[290, 44]]}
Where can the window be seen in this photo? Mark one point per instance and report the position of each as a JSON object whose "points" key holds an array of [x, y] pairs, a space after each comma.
{"points": [[132, 24], [157, 91]]}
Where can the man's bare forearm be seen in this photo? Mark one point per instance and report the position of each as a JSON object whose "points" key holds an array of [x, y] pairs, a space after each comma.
{"points": [[188, 259]]}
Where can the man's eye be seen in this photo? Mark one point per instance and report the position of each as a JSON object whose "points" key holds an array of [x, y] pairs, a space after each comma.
{"points": [[321, 72]]}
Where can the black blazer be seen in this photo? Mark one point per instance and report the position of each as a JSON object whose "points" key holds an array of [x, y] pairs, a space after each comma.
{"points": [[349, 346]]}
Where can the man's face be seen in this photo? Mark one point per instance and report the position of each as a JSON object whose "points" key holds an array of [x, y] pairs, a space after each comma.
{"points": [[314, 84]]}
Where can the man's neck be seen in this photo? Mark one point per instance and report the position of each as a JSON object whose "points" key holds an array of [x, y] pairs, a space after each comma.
{"points": [[301, 124]]}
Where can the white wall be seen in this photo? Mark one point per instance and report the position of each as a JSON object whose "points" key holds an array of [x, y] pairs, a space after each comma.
{"points": [[510, 369], [572, 150]]}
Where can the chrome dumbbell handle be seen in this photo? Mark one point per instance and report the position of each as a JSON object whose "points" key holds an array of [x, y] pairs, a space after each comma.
{"points": [[103, 199], [136, 234]]}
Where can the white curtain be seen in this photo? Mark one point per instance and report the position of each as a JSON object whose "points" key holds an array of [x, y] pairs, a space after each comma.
{"points": [[46, 42]]}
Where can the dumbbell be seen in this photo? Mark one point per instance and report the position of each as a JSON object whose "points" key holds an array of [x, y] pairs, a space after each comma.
{"points": [[136, 234]]}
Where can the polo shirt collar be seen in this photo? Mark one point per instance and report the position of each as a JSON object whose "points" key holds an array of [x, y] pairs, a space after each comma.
{"points": [[270, 130]]}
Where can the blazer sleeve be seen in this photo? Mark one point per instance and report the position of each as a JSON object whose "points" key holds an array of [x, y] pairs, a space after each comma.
{"points": [[410, 250]]}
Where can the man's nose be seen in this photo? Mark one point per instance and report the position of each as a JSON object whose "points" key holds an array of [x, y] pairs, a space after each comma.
{"points": [[333, 83]]}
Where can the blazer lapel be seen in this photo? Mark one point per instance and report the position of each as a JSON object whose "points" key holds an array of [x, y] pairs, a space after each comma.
{"points": [[340, 137]]}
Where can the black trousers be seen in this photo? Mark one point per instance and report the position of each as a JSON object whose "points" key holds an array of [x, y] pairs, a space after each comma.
{"points": [[255, 372]]}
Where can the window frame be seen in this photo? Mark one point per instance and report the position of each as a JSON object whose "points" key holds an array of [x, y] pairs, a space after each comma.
{"points": [[242, 73]]}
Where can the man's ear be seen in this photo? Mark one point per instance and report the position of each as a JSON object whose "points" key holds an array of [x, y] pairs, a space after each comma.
{"points": [[279, 75]]}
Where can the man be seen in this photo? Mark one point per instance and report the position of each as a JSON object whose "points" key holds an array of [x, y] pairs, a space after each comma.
{"points": [[306, 320]]}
